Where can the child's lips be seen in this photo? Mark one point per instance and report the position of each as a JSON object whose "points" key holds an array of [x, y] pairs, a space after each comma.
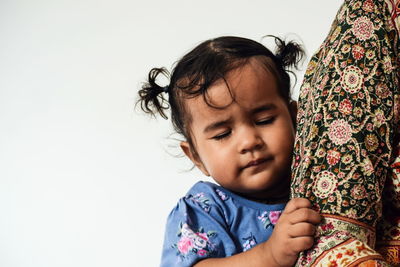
{"points": [[256, 162]]}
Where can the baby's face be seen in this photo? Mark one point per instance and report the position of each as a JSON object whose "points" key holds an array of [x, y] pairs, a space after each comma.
{"points": [[247, 145]]}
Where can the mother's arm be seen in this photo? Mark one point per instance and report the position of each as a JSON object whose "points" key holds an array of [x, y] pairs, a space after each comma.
{"points": [[346, 129]]}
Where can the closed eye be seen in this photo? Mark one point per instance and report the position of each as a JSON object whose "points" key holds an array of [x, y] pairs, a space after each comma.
{"points": [[265, 121], [222, 135]]}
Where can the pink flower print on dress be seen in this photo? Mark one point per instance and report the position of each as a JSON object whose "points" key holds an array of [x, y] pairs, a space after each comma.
{"points": [[333, 157], [358, 192], [318, 116], [194, 242], [327, 227], [202, 235], [363, 28], [274, 216], [200, 241], [202, 200], [368, 6], [249, 242], [340, 132], [346, 107], [202, 252], [221, 195], [186, 231], [185, 244], [382, 90], [264, 218], [269, 218], [358, 52]]}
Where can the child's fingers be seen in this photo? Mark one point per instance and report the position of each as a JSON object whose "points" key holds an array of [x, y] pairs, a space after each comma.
{"points": [[304, 215], [295, 204], [301, 229]]}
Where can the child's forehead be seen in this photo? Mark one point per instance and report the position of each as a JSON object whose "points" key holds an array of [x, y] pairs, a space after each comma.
{"points": [[249, 83], [248, 87]]}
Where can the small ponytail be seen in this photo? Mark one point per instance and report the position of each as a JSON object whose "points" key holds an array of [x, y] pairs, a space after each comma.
{"points": [[206, 64], [288, 54], [151, 97]]}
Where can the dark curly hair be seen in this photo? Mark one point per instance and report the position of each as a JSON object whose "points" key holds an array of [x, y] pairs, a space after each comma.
{"points": [[207, 63]]}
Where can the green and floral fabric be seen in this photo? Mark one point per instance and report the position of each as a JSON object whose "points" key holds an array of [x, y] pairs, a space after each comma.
{"points": [[347, 127]]}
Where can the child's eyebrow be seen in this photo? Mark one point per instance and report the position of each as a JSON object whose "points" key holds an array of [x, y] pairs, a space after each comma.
{"points": [[216, 125], [266, 107]]}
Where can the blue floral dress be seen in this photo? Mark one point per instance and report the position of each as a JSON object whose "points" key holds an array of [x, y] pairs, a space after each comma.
{"points": [[211, 221]]}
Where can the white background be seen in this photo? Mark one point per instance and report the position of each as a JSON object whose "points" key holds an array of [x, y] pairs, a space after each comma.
{"points": [[85, 179]]}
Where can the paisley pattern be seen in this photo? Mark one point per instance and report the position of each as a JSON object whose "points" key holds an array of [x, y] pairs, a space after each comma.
{"points": [[345, 158]]}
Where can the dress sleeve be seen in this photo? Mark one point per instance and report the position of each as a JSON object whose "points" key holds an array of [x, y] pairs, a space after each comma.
{"points": [[346, 129], [196, 229]]}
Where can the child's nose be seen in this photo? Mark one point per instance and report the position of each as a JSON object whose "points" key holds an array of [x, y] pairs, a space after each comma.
{"points": [[250, 140]]}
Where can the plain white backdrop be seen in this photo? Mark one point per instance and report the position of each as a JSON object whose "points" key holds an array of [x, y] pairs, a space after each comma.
{"points": [[85, 179]]}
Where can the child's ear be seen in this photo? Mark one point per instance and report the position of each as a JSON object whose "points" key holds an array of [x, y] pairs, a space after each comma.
{"points": [[293, 111], [194, 157]]}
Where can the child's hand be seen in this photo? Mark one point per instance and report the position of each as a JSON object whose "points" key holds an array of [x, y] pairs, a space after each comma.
{"points": [[293, 233]]}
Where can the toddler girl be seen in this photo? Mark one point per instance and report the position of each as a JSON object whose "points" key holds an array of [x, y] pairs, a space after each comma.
{"points": [[230, 100]]}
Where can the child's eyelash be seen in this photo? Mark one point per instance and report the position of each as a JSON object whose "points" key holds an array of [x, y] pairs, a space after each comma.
{"points": [[222, 136], [228, 133], [265, 121]]}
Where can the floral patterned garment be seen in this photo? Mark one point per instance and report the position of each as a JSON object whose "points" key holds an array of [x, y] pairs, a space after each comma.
{"points": [[346, 161], [211, 221]]}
